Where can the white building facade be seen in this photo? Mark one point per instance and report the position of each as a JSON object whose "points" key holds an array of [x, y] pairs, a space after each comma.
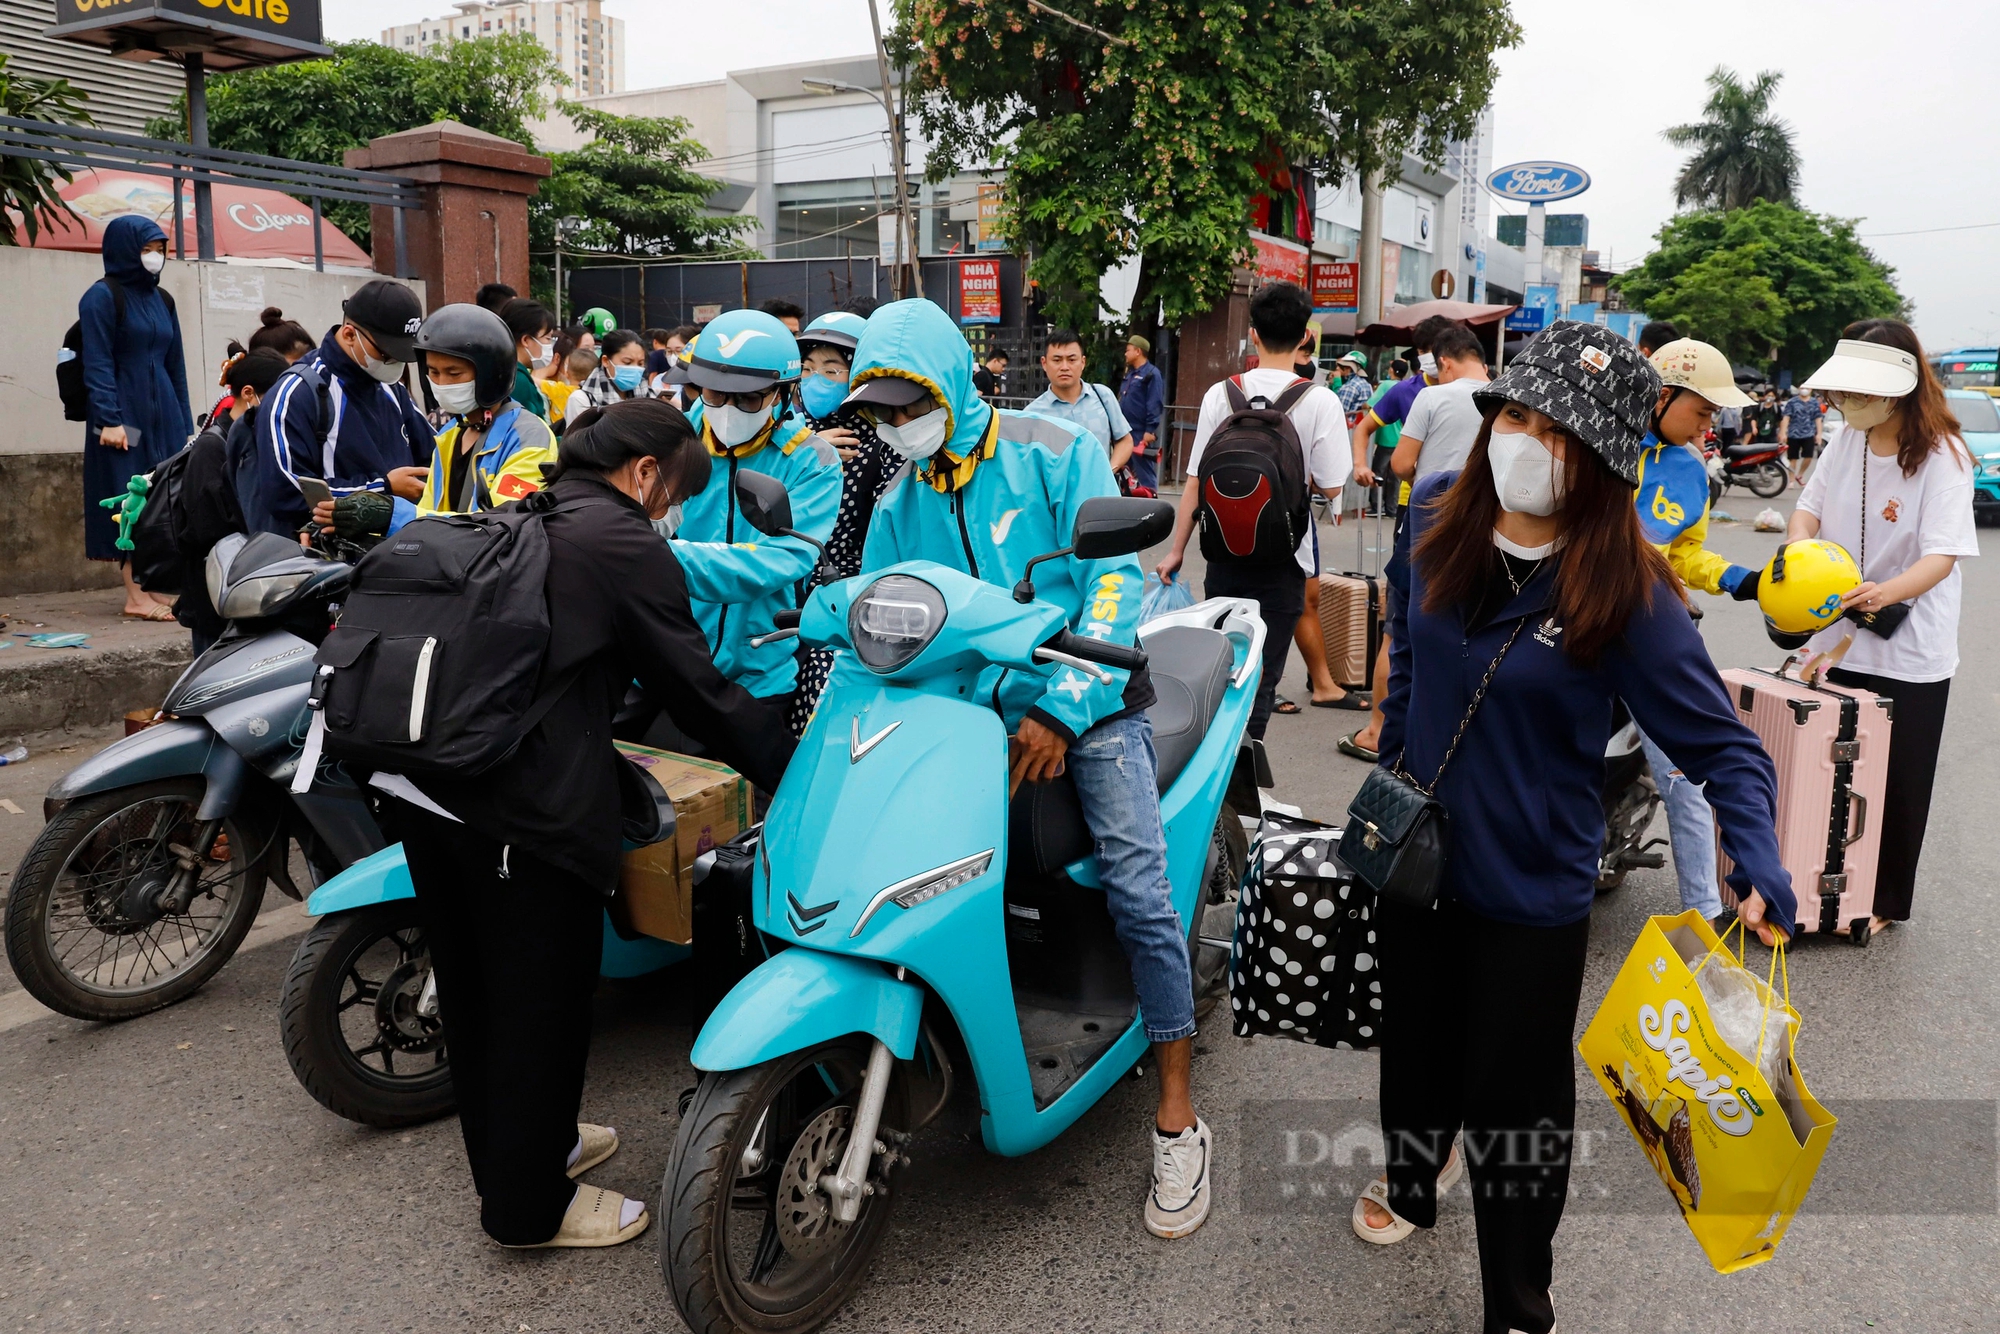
{"points": [[588, 45]]}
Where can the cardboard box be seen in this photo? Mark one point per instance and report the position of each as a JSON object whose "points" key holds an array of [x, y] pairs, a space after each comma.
{"points": [[711, 806]]}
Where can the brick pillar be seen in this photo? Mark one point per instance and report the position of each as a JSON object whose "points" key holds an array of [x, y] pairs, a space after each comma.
{"points": [[473, 227]]}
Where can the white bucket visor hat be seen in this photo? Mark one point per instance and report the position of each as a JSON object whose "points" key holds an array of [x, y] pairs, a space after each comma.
{"points": [[1866, 368]]}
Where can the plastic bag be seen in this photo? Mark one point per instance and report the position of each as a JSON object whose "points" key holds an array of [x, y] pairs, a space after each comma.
{"points": [[1769, 521], [1738, 1004], [1161, 598]]}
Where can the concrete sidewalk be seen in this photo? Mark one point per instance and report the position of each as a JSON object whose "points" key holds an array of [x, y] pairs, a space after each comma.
{"points": [[48, 694]]}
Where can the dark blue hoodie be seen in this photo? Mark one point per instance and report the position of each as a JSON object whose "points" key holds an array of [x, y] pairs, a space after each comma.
{"points": [[371, 428], [1525, 790], [135, 373]]}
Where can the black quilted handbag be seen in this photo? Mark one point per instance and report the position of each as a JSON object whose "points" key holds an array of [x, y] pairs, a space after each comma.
{"points": [[1304, 964], [1397, 833]]}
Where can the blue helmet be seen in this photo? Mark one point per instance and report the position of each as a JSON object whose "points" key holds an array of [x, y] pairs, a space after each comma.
{"points": [[742, 352], [836, 328]]}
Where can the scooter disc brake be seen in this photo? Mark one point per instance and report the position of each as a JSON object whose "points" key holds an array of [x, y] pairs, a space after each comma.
{"points": [[806, 1224], [398, 1021]]}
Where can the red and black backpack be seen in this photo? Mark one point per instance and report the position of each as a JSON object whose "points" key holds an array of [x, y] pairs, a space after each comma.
{"points": [[1254, 507]]}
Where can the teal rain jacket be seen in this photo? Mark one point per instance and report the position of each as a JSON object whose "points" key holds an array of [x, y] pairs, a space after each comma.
{"points": [[1017, 501], [737, 578]]}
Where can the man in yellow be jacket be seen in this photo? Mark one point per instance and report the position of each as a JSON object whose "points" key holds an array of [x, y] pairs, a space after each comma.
{"points": [[1695, 380]]}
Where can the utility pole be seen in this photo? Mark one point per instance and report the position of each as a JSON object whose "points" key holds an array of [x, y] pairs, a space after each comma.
{"points": [[204, 206], [906, 226], [1369, 277]]}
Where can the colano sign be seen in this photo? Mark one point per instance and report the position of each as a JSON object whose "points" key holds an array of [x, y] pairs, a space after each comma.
{"points": [[1538, 182]]}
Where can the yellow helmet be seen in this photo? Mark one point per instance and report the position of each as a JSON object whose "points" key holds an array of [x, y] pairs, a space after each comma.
{"points": [[1801, 589]]}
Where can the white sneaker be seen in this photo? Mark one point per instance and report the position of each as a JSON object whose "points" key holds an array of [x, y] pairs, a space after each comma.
{"points": [[1178, 1201]]}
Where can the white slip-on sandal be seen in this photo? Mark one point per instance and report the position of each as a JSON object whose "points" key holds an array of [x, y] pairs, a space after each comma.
{"points": [[1399, 1228], [594, 1145], [593, 1220]]}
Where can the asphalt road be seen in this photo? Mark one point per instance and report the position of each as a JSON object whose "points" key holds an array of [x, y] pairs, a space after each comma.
{"points": [[168, 1174]]}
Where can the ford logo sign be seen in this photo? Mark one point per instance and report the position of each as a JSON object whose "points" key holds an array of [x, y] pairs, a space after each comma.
{"points": [[1538, 182]]}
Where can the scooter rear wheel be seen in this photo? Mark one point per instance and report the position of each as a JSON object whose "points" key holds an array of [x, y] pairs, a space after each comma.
{"points": [[748, 1245], [1215, 910], [1769, 481]]}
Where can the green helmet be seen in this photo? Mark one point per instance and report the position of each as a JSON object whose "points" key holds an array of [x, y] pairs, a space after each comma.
{"points": [[599, 321]]}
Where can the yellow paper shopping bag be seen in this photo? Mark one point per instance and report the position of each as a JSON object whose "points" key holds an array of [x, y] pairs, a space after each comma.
{"points": [[1737, 1147]]}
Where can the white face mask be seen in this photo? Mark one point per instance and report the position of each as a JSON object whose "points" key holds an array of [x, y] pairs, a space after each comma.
{"points": [[387, 370], [915, 440], [1526, 475], [543, 354], [457, 399], [152, 261], [1427, 363], [733, 426]]}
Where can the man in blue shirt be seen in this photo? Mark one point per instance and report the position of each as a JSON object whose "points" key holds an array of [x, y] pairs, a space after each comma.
{"points": [[1142, 397], [1071, 399], [1804, 422]]}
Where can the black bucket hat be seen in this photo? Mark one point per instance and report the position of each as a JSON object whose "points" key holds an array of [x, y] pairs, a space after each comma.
{"points": [[1599, 388]]}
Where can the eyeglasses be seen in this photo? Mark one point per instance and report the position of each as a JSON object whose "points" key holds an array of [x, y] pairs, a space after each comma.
{"points": [[750, 401]]}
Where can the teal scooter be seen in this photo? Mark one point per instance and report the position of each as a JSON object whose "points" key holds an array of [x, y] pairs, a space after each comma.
{"points": [[925, 927]]}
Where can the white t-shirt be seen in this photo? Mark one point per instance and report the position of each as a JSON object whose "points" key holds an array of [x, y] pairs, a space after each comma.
{"points": [[1444, 418], [1909, 518], [1318, 419]]}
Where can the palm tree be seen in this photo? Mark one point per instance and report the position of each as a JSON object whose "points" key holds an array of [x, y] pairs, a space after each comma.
{"points": [[1742, 153], [29, 186]]}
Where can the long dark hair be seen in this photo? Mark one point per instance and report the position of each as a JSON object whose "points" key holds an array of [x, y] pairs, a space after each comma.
{"points": [[1607, 570], [603, 440], [1924, 421]]}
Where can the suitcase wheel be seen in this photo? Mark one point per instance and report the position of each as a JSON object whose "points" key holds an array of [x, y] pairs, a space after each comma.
{"points": [[1858, 932]]}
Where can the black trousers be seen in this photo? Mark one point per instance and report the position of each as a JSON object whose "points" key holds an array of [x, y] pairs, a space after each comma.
{"points": [[1478, 1024], [1280, 591], [516, 955], [1914, 738]]}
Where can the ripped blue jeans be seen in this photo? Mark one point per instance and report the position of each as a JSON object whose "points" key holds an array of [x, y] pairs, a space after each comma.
{"points": [[1115, 772], [1691, 829]]}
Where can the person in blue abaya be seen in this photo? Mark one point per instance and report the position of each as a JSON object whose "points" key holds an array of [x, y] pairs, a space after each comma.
{"points": [[136, 375]]}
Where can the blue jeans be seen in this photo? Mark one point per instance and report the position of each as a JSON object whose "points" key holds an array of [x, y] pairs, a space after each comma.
{"points": [[1691, 829], [1114, 769]]}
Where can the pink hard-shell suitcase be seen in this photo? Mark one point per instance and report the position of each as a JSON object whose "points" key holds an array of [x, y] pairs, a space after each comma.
{"points": [[1831, 747]]}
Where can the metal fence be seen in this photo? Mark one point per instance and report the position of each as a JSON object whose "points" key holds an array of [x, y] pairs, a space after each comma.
{"points": [[75, 146]]}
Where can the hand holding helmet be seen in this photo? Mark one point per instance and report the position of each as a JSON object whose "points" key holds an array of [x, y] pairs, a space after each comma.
{"points": [[1804, 589]]}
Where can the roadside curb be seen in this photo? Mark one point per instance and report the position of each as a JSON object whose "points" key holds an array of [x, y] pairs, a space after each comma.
{"points": [[53, 691]]}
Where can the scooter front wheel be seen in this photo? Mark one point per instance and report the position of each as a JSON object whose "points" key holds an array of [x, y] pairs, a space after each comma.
{"points": [[750, 1244], [1769, 481]]}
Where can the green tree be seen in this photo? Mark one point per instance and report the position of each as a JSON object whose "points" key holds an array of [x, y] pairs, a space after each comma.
{"points": [[1799, 279], [29, 186], [1742, 153], [315, 110], [635, 190], [1150, 144]]}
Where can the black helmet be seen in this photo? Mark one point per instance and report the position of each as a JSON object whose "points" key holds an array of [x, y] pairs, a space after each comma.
{"points": [[480, 337], [1599, 388]]}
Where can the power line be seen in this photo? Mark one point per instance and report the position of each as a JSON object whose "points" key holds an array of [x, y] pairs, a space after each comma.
{"points": [[1928, 231]]}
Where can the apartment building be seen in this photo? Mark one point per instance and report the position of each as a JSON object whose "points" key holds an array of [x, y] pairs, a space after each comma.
{"points": [[588, 45]]}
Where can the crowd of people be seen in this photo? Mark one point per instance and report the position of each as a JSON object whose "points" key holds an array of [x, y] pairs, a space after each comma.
{"points": [[1561, 497]]}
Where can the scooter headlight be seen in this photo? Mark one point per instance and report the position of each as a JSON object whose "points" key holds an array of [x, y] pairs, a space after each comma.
{"points": [[892, 621]]}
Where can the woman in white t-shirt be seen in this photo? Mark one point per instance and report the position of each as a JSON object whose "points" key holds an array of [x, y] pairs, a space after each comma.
{"points": [[1894, 487]]}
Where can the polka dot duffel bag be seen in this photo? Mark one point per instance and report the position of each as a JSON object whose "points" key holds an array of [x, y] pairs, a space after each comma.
{"points": [[1303, 966]]}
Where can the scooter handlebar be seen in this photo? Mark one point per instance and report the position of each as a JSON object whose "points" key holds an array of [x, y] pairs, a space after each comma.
{"points": [[1126, 657]]}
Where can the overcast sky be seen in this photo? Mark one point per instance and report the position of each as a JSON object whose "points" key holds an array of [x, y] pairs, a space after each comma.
{"points": [[1897, 123]]}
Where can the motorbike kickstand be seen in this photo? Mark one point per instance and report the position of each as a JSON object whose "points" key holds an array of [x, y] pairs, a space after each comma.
{"points": [[847, 1186]]}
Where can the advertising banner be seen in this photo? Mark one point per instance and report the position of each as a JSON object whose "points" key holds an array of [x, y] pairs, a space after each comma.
{"points": [[1336, 288], [979, 291], [1281, 261]]}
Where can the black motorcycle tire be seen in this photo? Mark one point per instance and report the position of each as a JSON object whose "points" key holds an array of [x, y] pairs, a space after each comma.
{"points": [[1215, 910], [30, 952], [1769, 481], [1714, 492], [309, 1010], [705, 1175]]}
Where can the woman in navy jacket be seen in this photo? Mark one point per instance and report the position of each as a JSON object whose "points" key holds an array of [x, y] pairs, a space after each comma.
{"points": [[137, 379], [1534, 542]]}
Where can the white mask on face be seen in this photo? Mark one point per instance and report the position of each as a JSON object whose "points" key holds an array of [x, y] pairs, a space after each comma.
{"points": [[915, 440], [1427, 363], [543, 354], [733, 426], [387, 370], [152, 261], [1527, 476], [457, 399]]}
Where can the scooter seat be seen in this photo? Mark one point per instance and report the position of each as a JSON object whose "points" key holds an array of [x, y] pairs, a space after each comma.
{"points": [[1190, 668], [1750, 450]]}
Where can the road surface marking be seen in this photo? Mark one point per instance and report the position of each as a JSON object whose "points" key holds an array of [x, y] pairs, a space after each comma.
{"points": [[10, 807], [18, 1007]]}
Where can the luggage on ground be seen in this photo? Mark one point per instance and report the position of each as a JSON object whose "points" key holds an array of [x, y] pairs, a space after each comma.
{"points": [[1831, 747], [1733, 1134], [1304, 962], [1254, 506], [1353, 612]]}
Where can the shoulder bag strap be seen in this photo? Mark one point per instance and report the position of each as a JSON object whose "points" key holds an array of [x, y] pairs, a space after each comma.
{"points": [[1234, 387]]}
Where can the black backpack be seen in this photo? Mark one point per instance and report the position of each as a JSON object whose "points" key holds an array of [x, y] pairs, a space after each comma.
{"points": [[69, 370], [1254, 507], [434, 663], [157, 563]]}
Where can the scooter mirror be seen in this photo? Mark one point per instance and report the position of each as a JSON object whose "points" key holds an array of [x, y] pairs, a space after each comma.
{"points": [[1120, 526], [764, 502]]}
